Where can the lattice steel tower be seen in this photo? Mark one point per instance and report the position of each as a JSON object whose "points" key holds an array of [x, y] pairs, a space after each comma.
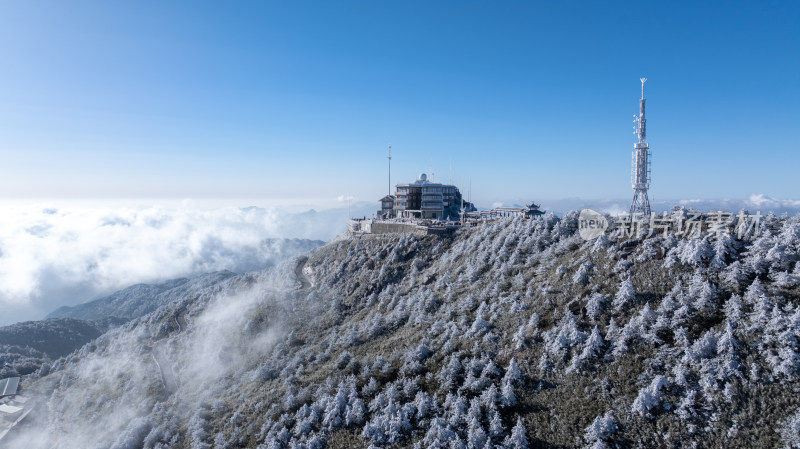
{"points": [[640, 173]]}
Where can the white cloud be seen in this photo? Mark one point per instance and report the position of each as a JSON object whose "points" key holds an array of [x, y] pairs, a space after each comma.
{"points": [[761, 200], [52, 256], [344, 198]]}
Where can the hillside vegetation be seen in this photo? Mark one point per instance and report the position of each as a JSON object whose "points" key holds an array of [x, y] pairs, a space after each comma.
{"points": [[26, 346], [514, 334]]}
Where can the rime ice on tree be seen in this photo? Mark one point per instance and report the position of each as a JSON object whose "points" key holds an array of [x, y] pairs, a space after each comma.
{"points": [[640, 174]]}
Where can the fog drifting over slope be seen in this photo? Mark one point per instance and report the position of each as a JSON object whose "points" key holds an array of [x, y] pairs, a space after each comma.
{"points": [[52, 256]]}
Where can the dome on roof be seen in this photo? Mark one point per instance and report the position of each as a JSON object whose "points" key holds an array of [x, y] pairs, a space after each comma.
{"points": [[422, 177]]}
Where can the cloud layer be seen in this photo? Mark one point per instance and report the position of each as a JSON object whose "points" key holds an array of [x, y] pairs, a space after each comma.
{"points": [[53, 256]]}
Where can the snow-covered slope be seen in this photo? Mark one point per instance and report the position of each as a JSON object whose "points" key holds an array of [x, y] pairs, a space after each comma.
{"points": [[514, 334]]}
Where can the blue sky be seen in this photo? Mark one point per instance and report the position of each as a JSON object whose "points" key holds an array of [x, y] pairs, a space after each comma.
{"points": [[297, 100]]}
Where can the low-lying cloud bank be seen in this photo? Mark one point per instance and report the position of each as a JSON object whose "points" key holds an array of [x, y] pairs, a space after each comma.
{"points": [[52, 256]]}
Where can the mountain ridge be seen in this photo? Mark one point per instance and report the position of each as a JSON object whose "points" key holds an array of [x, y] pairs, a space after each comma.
{"points": [[514, 334]]}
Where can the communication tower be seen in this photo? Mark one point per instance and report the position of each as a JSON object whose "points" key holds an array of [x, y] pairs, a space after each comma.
{"points": [[390, 169], [640, 173]]}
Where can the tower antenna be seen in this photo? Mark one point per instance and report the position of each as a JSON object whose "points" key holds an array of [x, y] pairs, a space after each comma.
{"points": [[390, 168], [640, 174]]}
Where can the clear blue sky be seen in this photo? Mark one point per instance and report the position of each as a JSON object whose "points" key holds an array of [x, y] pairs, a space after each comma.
{"points": [[288, 99]]}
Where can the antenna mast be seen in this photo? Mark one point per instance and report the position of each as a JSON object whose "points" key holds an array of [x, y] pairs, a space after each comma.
{"points": [[390, 169], [640, 175]]}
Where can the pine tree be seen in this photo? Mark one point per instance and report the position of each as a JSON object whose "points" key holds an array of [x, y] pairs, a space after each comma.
{"points": [[517, 439], [601, 429], [625, 295], [496, 426], [591, 350], [513, 373], [595, 306], [507, 396], [476, 436], [723, 250], [650, 396]]}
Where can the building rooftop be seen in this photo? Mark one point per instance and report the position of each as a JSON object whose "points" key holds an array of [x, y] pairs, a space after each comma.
{"points": [[8, 386]]}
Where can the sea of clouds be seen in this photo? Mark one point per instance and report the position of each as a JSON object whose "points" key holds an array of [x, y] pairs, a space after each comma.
{"points": [[52, 256]]}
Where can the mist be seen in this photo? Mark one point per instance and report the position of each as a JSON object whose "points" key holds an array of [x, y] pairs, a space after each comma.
{"points": [[145, 380], [53, 256]]}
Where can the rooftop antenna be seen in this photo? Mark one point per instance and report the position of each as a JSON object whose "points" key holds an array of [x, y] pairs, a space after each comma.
{"points": [[390, 169], [451, 172], [640, 175]]}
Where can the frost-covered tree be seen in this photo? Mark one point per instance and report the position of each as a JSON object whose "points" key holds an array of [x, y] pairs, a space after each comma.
{"points": [[581, 276], [134, 434], [784, 279], [790, 430], [517, 439], [335, 410], [496, 430], [439, 435], [723, 250], [199, 429], [694, 251], [355, 410], [601, 429], [563, 336], [507, 396], [424, 406], [451, 374], [476, 435], [650, 396], [389, 426], [592, 350], [703, 292], [733, 310], [513, 373], [625, 295], [595, 306], [520, 337], [727, 350], [761, 303], [735, 276]]}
